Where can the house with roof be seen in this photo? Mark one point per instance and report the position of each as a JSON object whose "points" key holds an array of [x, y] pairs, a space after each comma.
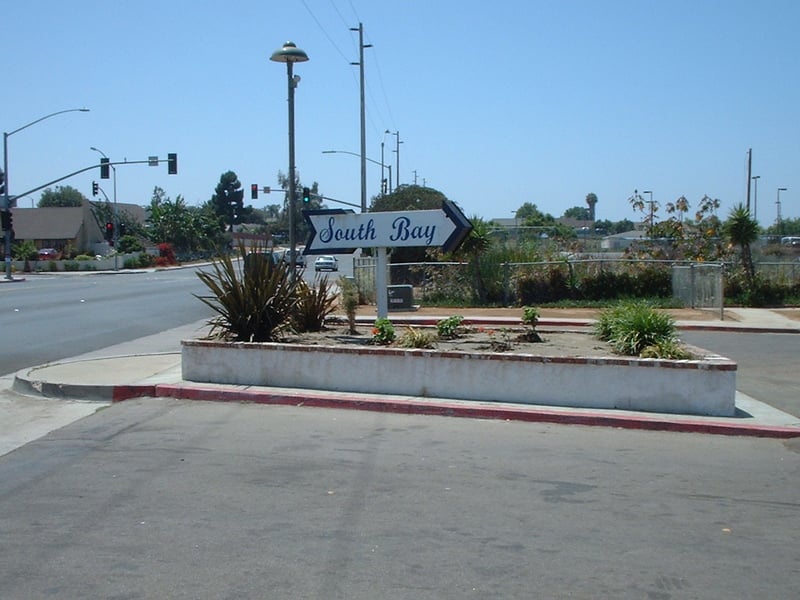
{"points": [[67, 227]]}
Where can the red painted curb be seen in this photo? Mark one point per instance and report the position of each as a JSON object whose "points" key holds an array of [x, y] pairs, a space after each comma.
{"points": [[502, 412]]}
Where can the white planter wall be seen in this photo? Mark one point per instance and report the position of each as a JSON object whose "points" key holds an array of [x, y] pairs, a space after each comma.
{"points": [[699, 387]]}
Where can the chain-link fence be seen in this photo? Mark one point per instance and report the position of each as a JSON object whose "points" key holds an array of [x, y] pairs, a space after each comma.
{"points": [[695, 284]]}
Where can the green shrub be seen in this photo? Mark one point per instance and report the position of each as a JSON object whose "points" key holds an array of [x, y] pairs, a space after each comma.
{"points": [[631, 327], [70, 265], [670, 349], [383, 332], [348, 293], [84, 257], [313, 305], [449, 327], [252, 305]]}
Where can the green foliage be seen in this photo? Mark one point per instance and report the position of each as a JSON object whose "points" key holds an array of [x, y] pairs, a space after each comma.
{"points": [[187, 228], [758, 291], [128, 244], [667, 349], [383, 332], [449, 327], [142, 261], [71, 265], [253, 304], [530, 316], [416, 338], [632, 326], [313, 305], [25, 250], [84, 257], [348, 292], [63, 196]]}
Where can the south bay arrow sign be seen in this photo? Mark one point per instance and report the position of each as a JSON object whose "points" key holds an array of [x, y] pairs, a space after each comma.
{"points": [[338, 231]]}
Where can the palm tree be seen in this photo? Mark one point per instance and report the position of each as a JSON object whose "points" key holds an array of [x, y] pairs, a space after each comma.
{"points": [[741, 230]]}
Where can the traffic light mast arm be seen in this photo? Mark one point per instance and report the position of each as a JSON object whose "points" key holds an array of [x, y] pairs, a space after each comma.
{"points": [[79, 171]]}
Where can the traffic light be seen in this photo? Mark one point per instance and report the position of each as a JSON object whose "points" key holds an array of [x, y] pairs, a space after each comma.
{"points": [[95, 188], [6, 220], [122, 229], [306, 195], [254, 191], [110, 233], [172, 163], [104, 168], [2, 182]]}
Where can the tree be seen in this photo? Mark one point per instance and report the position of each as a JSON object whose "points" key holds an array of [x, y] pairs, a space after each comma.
{"points": [[62, 196], [742, 230], [227, 203], [408, 197], [187, 228], [591, 200], [531, 216], [581, 213]]}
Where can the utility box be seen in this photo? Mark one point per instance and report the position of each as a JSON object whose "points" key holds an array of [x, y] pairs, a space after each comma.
{"points": [[401, 297]]}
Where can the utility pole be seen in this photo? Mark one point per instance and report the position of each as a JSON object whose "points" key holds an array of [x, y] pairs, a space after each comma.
{"points": [[749, 175], [397, 172], [360, 63]]}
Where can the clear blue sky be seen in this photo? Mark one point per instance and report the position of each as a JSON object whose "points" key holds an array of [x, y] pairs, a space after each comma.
{"points": [[496, 103]]}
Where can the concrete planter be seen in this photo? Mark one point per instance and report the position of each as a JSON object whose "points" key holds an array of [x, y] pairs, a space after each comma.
{"points": [[699, 387]]}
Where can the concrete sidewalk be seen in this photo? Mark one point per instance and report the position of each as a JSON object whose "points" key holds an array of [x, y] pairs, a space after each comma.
{"points": [[111, 378]]}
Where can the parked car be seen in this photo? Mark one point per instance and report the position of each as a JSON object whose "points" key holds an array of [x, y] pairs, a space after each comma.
{"points": [[49, 254], [326, 263]]}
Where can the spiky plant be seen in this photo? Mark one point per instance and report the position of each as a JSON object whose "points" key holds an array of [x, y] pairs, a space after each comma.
{"points": [[254, 299]]}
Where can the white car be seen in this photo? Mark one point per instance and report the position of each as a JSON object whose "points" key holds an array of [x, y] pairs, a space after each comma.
{"points": [[326, 263]]}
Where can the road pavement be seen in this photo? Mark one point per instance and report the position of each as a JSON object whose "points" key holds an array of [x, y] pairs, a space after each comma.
{"points": [[171, 498]]}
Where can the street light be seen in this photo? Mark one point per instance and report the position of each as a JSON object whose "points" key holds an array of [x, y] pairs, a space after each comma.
{"points": [[116, 212], [374, 162], [755, 197], [6, 201], [778, 203], [290, 54]]}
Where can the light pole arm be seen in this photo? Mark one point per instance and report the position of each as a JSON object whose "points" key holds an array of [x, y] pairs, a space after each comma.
{"points": [[375, 162], [39, 120]]}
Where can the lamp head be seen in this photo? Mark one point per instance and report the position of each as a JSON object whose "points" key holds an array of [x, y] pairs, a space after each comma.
{"points": [[289, 53]]}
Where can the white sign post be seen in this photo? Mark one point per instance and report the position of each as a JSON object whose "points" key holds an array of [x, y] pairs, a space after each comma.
{"points": [[340, 232]]}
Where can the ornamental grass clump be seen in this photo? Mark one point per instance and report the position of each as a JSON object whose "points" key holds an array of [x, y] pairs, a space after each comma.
{"points": [[416, 338], [314, 304], [254, 299], [634, 327]]}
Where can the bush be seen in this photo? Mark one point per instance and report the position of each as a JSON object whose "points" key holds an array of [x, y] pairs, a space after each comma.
{"points": [[252, 305], [383, 332], [449, 327], [348, 292], [313, 305], [631, 327]]}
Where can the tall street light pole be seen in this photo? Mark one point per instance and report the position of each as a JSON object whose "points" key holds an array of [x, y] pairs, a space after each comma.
{"points": [[291, 54], [6, 201], [360, 63], [116, 211], [778, 203]]}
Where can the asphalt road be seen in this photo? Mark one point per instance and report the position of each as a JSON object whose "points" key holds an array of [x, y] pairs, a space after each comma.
{"points": [[163, 499], [767, 364]]}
